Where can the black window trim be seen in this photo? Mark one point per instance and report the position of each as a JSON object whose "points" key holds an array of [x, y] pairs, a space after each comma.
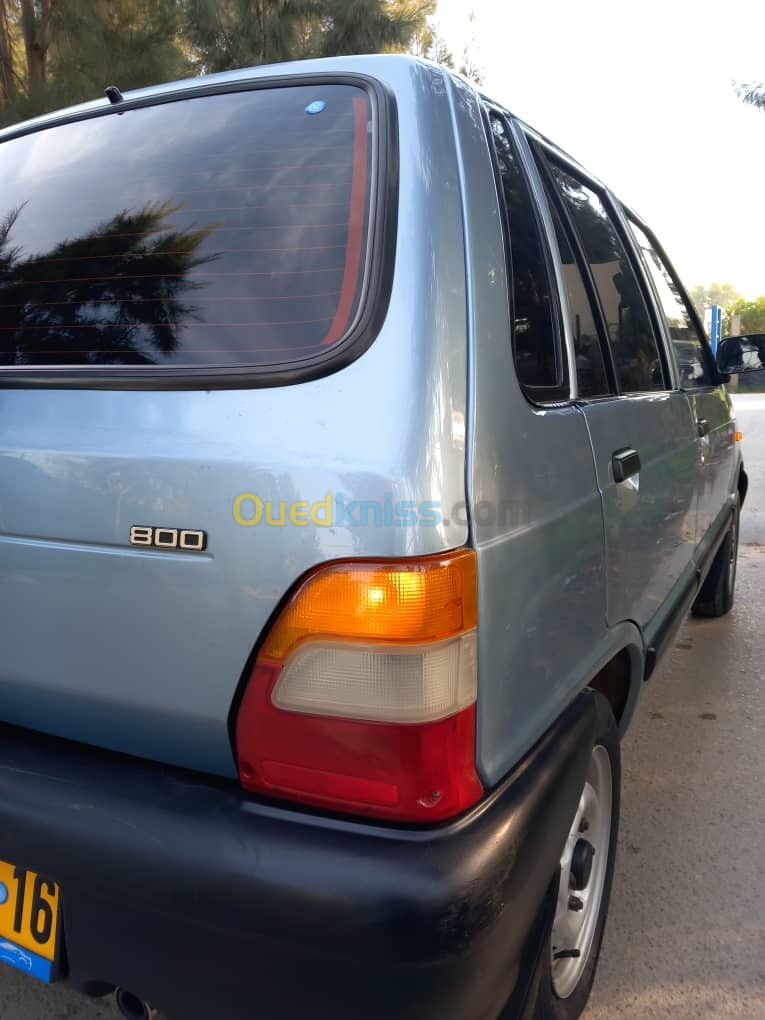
{"points": [[631, 216], [550, 154], [542, 155], [378, 271], [552, 255], [559, 394], [649, 294]]}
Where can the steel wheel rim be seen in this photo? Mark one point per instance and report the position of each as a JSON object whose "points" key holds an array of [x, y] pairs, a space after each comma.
{"points": [[574, 927]]}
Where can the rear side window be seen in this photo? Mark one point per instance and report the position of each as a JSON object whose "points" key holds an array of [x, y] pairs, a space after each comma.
{"points": [[686, 340], [633, 343], [538, 357], [221, 230]]}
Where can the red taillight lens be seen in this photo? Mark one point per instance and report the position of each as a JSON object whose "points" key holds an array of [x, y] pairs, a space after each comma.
{"points": [[362, 698]]}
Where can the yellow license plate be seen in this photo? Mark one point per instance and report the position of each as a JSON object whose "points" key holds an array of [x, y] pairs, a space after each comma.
{"points": [[29, 921]]}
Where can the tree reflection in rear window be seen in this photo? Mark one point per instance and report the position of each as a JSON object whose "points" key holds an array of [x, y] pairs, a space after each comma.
{"points": [[222, 230]]}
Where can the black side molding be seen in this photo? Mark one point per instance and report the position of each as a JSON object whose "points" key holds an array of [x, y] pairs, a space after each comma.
{"points": [[665, 635], [671, 625]]}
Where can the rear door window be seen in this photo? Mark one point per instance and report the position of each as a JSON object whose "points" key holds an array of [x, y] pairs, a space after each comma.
{"points": [[221, 230], [687, 341], [634, 345], [591, 377]]}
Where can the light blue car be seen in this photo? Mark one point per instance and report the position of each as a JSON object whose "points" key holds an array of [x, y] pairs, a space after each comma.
{"points": [[360, 455]]}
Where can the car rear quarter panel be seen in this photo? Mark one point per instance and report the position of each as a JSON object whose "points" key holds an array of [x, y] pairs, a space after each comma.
{"points": [[542, 630], [142, 650]]}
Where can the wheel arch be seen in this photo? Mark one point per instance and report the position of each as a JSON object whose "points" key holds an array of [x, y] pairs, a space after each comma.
{"points": [[742, 484], [620, 677]]}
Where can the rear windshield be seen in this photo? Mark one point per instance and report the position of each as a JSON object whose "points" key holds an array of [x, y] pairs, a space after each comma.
{"points": [[221, 230]]}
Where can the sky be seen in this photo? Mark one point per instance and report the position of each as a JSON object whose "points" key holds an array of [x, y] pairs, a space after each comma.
{"points": [[640, 93]]}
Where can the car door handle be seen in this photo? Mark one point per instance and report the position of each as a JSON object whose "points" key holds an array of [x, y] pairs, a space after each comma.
{"points": [[702, 427], [625, 464]]}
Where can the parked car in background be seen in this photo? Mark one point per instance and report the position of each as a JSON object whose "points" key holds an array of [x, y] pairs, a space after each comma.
{"points": [[353, 480]]}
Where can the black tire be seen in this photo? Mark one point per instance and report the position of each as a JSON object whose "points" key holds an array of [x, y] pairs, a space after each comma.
{"points": [[718, 590], [549, 1006]]}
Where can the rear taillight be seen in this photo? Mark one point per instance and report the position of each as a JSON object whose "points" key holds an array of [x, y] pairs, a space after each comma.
{"points": [[362, 698]]}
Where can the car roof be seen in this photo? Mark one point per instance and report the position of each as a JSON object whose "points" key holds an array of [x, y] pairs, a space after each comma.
{"points": [[374, 64], [371, 64]]}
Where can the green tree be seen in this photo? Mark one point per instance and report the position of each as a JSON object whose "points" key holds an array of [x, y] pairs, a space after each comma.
{"points": [[27, 30], [428, 42], [723, 294], [752, 315], [129, 43], [37, 27], [57, 52], [117, 321], [752, 93], [227, 34], [8, 83], [369, 26]]}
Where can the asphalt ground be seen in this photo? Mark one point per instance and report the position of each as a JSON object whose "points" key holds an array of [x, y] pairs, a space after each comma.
{"points": [[686, 931]]}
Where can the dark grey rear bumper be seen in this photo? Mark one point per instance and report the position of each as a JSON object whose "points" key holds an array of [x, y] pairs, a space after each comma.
{"points": [[206, 902]]}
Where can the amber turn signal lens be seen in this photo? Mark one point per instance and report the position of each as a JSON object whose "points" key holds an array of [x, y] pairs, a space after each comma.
{"points": [[413, 601], [738, 436]]}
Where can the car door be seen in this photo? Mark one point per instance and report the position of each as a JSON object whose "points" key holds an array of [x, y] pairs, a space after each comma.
{"points": [[711, 408], [642, 431]]}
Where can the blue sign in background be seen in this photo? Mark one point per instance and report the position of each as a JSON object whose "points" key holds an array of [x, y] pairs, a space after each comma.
{"points": [[715, 329]]}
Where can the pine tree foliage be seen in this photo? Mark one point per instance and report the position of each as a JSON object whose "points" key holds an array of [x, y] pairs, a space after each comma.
{"points": [[752, 93], [57, 52]]}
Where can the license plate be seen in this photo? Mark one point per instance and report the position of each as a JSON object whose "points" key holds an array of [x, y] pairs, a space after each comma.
{"points": [[29, 921]]}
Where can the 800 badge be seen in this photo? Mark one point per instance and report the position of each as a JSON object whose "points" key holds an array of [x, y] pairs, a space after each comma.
{"points": [[168, 538]]}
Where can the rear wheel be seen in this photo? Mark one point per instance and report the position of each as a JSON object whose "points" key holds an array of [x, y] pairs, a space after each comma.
{"points": [[718, 590], [584, 888]]}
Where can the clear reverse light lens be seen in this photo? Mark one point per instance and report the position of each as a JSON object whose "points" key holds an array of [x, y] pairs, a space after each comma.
{"points": [[379, 683]]}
